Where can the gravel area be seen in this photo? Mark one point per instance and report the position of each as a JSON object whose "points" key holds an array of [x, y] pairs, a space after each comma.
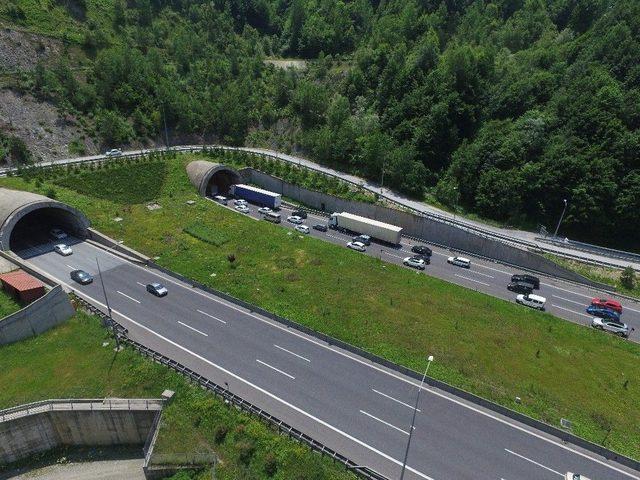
{"points": [[129, 469]]}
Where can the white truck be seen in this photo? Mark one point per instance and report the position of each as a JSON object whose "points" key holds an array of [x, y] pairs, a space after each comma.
{"points": [[365, 226]]}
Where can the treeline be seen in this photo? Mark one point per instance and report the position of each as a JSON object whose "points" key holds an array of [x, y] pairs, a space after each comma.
{"points": [[504, 108]]}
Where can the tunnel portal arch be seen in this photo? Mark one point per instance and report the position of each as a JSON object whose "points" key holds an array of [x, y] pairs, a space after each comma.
{"points": [[28, 217], [212, 178]]}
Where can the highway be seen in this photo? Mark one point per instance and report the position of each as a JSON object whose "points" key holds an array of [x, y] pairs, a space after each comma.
{"points": [[564, 299], [350, 404]]}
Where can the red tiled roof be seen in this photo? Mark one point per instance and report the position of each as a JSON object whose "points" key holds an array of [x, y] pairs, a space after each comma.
{"points": [[21, 281]]}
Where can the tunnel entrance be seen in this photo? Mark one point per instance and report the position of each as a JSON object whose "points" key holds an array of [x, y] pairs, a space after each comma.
{"points": [[221, 181], [34, 228]]}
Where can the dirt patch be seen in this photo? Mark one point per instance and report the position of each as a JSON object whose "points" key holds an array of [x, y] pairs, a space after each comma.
{"points": [[288, 63], [43, 129], [22, 51]]}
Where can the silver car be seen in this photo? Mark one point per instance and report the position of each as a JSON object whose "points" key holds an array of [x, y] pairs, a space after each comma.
{"points": [[617, 328], [414, 262], [295, 219]]}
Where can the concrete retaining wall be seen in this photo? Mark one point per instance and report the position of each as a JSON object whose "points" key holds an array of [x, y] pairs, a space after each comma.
{"points": [[24, 435], [37, 317], [428, 229], [112, 244]]}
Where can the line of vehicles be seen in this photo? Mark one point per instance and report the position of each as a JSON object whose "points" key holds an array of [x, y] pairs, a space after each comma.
{"points": [[606, 312]]}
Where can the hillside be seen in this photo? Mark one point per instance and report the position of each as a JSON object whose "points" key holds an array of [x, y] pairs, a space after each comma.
{"points": [[500, 108]]}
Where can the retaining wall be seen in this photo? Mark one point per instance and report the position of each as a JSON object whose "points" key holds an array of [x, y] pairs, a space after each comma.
{"points": [[422, 227], [53, 424], [39, 316]]}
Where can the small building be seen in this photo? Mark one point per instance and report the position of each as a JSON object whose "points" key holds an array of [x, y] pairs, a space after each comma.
{"points": [[22, 286]]}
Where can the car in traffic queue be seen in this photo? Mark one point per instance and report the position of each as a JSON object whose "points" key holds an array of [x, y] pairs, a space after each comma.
{"points": [[242, 208], [299, 213], [520, 287], [531, 300], [264, 210], [574, 476], [357, 246], [422, 250], [295, 219], [321, 227], [157, 289], [535, 281], [459, 262], [603, 313], [57, 234], [414, 262], [366, 239], [611, 326], [239, 201], [426, 258], [607, 303], [221, 199], [63, 249], [302, 229], [82, 277]]}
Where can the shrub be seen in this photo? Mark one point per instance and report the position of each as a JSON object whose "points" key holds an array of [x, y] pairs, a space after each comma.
{"points": [[628, 278], [220, 434]]}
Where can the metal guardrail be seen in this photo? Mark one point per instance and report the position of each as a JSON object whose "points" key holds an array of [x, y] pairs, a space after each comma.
{"points": [[231, 398], [590, 248], [80, 405]]}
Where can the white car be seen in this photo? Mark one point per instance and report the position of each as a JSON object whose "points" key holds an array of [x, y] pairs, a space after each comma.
{"points": [[220, 199], [114, 152], [414, 262], [239, 202], [459, 261], [302, 228], [57, 234], [63, 249], [531, 300], [574, 476], [294, 219], [608, 325], [264, 210], [358, 246], [242, 208]]}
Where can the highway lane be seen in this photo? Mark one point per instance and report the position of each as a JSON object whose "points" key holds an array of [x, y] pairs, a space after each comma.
{"points": [[564, 299], [346, 402]]}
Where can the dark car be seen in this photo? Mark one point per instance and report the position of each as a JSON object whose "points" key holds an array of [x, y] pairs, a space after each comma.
{"points": [[299, 213], [426, 258], [520, 287], [321, 227], [535, 281], [157, 289], [422, 250], [82, 277], [366, 239], [603, 313]]}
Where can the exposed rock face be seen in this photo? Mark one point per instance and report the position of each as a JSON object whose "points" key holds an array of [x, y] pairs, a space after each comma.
{"points": [[23, 51]]}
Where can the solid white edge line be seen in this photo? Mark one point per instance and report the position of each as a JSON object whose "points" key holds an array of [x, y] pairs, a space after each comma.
{"points": [[261, 390], [194, 329], [276, 369], [294, 354], [534, 462], [211, 316], [385, 423], [125, 295], [572, 311], [395, 400], [388, 373], [472, 279]]}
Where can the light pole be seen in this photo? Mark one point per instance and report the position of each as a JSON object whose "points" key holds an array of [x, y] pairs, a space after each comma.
{"points": [[106, 300], [413, 419], [555, 234]]}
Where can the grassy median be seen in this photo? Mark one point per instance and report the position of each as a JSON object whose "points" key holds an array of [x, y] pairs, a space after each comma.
{"points": [[71, 361], [489, 346]]}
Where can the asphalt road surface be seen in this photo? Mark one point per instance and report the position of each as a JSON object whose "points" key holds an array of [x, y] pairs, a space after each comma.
{"points": [[350, 404], [564, 299]]}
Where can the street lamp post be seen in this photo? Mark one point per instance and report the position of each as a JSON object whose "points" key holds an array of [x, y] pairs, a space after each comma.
{"points": [[413, 419], [555, 234], [106, 300]]}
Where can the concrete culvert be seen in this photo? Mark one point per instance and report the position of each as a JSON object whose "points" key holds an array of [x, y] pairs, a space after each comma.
{"points": [[27, 218], [212, 178]]}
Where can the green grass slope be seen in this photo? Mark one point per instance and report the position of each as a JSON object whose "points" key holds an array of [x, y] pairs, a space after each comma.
{"points": [[7, 304], [70, 362], [491, 347]]}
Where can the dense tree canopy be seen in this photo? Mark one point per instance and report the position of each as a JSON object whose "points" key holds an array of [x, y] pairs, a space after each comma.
{"points": [[503, 107]]}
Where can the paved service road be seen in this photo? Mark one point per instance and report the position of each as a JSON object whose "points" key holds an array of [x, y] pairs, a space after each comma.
{"points": [[350, 404], [564, 299]]}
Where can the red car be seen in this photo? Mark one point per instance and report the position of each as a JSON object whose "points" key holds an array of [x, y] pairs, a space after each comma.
{"points": [[607, 303]]}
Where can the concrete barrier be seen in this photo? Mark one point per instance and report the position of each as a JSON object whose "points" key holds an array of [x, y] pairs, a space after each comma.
{"points": [[39, 427], [39, 316], [425, 228]]}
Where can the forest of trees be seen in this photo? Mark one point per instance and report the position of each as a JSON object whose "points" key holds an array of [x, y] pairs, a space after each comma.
{"points": [[503, 108]]}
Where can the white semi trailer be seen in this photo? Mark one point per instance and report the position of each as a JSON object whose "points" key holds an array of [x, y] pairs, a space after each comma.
{"points": [[366, 226]]}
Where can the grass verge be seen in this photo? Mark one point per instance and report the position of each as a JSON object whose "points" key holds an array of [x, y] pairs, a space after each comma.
{"points": [[70, 361], [491, 347], [7, 304]]}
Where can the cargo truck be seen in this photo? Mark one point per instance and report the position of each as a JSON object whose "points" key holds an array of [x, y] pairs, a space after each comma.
{"points": [[365, 226], [257, 195]]}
